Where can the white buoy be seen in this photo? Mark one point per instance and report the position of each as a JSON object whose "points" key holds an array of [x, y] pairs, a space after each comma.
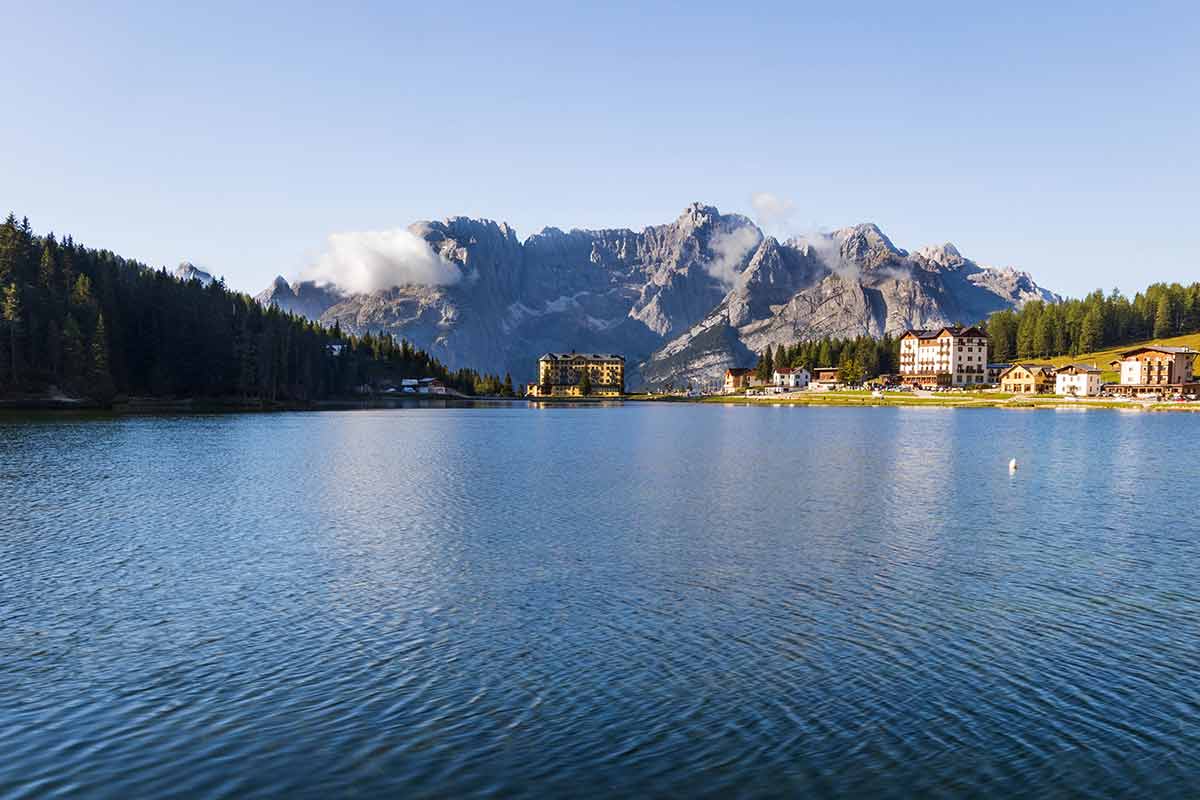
{"points": [[1012, 465]]}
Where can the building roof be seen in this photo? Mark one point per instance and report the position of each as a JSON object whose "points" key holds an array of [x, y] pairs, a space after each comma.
{"points": [[737, 372], [1077, 369], [788, 370], [1159, 348], [588, 356], [998, 366], [933, 333], [1033, 369]]}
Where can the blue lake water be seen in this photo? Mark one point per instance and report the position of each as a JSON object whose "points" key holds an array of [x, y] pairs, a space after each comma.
{"points": [[656, 600]]}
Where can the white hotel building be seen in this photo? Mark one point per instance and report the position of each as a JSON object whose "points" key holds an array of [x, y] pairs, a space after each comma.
{"points": [[949, 356]]}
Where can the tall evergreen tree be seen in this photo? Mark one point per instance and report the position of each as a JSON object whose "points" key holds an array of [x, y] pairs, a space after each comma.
{"points": [[1163, 325], [74, 354], [13, 317], [99, 377]]}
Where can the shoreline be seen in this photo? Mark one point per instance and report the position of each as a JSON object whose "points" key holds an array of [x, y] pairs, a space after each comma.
{"points": [[218, 405], [848, 399], [907, 400]]}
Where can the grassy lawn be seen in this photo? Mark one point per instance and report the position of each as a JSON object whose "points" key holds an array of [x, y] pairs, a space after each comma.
{"points": [[1102, 358]]}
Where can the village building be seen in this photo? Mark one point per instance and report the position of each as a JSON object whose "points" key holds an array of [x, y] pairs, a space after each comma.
{"points": [[1028, 379], [994, 371], [826, 377], [946, 356], [1077, 380], [1157, 371], [431, 386], [580, 374], [790, 378], [738, 379]]}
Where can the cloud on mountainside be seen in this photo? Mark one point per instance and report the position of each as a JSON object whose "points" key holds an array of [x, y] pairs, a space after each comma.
{"points": [[368, 261], [776, 215], [729, 250]]}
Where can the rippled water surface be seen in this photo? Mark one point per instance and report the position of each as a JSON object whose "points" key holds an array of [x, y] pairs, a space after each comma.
{"points": [[656, 600]]}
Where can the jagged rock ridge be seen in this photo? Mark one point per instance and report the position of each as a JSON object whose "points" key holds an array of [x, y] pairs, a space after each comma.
{"points": [[187, 271], [682, 301]]}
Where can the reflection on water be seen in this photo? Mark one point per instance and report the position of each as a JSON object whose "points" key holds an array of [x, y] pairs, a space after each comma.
{"points": [[598, 601]]}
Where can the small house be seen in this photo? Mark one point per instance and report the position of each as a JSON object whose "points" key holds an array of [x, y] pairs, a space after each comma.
{"points": [[1077, 380], [826, 377], [738, 379], [790, 378], [1028, 379]]}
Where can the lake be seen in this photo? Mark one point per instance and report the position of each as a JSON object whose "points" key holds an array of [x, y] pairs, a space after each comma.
{"points": [[654, 600]]}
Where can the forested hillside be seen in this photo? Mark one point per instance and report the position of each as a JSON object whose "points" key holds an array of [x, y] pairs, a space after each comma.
{"points": [[98, 325], [858, 358], [1037, 330], [1041, 330]]}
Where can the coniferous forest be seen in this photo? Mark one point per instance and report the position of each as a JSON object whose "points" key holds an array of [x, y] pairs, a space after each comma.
{"points": [[1037, 330], [97, 325], [1097, 321]]}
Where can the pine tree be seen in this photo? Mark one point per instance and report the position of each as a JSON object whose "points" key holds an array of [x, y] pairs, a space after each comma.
{"points": [[766, 365], [99, 376], [866, 358], [53, 348], [508, 385], [849, 371], [12, 314], [585, 382], [1091, 332], [10, 248], [1027, 330], [824, 354], [1044, 335], [48, 265], [1002, 335], [1163, 325], [74, 356]]}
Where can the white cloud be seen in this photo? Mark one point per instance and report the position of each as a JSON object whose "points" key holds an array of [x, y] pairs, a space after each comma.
{"points": [[729, 250], [773, 213], [777, 216], [368, 261]]}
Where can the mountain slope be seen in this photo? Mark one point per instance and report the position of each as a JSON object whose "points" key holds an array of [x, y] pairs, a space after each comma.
{"points": [[682, 301]]}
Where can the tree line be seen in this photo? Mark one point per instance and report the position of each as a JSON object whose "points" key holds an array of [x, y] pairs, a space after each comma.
{"points": [[98, 325], [1041, 330], [858, 359], [1037, 330]]}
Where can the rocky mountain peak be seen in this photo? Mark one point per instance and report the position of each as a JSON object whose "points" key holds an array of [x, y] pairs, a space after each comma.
{"points": [[681, 300], [187, 271], [865, 243], [697, 215], [943, 255]]}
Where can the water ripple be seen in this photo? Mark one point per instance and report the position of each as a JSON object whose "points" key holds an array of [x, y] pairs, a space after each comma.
{"points": [[653, 601]]}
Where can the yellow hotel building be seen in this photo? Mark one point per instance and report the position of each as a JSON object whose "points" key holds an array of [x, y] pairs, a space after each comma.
{"points": [[562, 375]]}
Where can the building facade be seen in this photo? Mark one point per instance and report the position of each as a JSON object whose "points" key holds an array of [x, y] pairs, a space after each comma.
{"points": [[947, 356], [1028, 379], [738, 379], [579, 375], [1157, 370], [791, 378], [827, 374], [1077, 380]]}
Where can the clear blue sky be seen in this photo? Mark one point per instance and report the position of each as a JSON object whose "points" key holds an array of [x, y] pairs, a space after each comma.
{"points": [[1060, 138]]}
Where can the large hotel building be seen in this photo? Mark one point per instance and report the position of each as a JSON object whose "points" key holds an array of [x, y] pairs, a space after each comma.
{"points": [[948, 356], [561, 375]]}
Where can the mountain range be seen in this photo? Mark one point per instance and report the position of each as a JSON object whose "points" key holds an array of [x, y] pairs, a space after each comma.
{"points": [[681, 301]]}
